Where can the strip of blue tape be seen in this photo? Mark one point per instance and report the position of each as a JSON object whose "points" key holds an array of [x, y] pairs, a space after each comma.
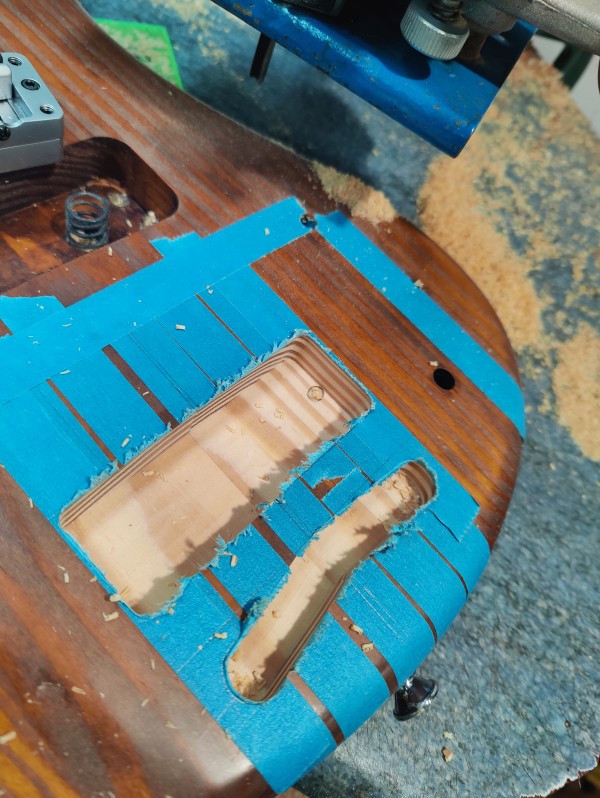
{"points": [[425, 314], [21, 312]]}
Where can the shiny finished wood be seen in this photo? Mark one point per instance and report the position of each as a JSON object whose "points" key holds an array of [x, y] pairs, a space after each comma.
{"points": [[130, 727]]}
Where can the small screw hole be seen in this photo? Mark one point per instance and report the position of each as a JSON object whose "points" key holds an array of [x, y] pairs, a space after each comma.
{"points": [[444, 379], [30, 84]]}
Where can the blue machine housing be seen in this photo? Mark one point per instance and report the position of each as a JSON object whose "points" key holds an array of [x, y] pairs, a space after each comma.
{"points": [[443, 102]]}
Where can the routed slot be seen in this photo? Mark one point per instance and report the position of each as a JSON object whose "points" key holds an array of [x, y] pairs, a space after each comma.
{"points": [[161, 517], [267, 653]]}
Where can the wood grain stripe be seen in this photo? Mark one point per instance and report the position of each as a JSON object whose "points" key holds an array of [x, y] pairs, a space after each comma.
{"points": [[448, 563], [97, 440], [359, 639], [318, 706], [409, 598], [167, 418]]}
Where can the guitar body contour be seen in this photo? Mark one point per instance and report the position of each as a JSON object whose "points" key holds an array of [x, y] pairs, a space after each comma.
{"points": [[255, 453]]}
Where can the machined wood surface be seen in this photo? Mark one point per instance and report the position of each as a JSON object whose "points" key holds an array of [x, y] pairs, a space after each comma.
{"points": [[92, 716]]}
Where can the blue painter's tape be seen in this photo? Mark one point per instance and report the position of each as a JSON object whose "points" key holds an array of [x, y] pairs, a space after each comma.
{"points": [[166, 369], [304, 508], [206, 340], [70, 335], [331, 657], [361, 454], [20, 312], [332, 464], [339, 498], [425, 314], [293, 535], [237, 323], [258, 571], [199, 612], [38, 422], [110, 405], [381, 432], [425, 577], [469, 556], [388, 619], [260, 306]]}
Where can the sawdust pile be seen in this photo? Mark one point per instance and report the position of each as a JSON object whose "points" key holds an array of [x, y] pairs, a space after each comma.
{"points": [[576, 381], [362, 200], [518, 210]]}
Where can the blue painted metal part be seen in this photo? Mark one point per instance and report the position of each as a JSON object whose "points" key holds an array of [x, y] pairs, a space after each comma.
{"points": [[443, 102]]}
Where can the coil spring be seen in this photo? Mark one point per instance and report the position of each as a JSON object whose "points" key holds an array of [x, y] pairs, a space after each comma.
{"points": [[87, 220], [446, 10]]}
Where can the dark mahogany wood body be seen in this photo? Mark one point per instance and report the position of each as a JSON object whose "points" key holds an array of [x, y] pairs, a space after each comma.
{"points": [[51, 634]]}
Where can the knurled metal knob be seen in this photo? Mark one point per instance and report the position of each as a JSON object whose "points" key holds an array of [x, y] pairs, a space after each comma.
{"points": [[437, 38]]}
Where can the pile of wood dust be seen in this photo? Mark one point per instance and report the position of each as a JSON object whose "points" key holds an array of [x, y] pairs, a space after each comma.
{"points": [[362, 200], [517, 210]]}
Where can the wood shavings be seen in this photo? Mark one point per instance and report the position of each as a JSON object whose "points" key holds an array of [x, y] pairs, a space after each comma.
{"points": [[170, 725], [125, 442], [234, 560], [267, 231], [362, 200], [367, 647], [128, 223], [149, 473], [220, 635], [78, 690], [448, 735], [419, 284], [66, 577], [278, 413], [110, 616], [447, 754], [8, 737], [110, 252], [434, 363], [180, 327], [149, 219], [145, 702], [31, 503], [94, 579], [357, 629], [66, 371], [153, 664]]}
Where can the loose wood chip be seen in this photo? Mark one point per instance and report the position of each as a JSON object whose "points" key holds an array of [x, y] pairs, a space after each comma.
{"points": [[221, 635], [418, 283], [128, 222], [368, 646], [448, 735], [357, 629], [145, 702], [110, 616], [115, 597], [78, 690], [8, 737], [267, 231], [66, 371], [110, 252], [434, 363], [31, 503], [153, 664], [180, 326], [148, 473], [66, 577], [170, 725], [234, 560], [447, 754], [125, 442], [94, 579]]}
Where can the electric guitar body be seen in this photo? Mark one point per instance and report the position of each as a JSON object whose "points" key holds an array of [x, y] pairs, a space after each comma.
{"points": [[255, 453]]}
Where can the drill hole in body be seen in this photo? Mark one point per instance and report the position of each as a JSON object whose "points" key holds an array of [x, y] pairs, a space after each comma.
{"points": [[444, 379]]}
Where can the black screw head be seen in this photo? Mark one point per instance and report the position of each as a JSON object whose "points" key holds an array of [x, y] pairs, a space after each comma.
{"points": [[30, 84], [4, 132]]}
